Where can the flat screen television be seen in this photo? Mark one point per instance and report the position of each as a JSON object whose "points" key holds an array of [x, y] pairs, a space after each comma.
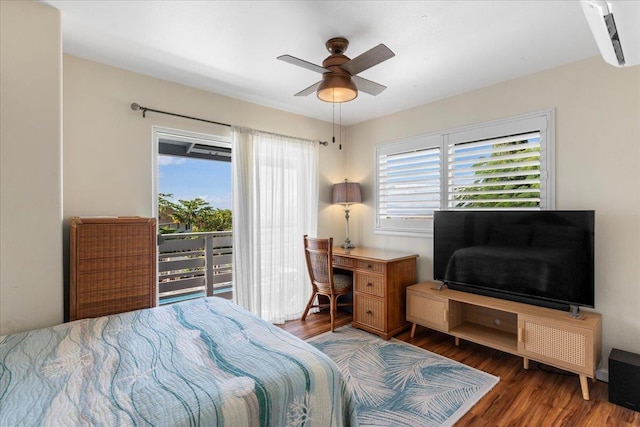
{"points": [[543, 258]]}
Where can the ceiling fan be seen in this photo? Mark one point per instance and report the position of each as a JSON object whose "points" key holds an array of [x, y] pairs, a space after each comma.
{"points": [[339, 80]]}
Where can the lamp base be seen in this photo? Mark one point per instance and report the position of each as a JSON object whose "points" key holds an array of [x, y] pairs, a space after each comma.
{"points": [[348, 245]]}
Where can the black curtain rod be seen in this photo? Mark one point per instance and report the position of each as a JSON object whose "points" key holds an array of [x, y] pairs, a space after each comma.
{"points": [[135, 107]]}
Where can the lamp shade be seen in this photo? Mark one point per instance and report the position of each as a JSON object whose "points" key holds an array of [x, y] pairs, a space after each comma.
{"points": [[337, 87], [346, 193]]}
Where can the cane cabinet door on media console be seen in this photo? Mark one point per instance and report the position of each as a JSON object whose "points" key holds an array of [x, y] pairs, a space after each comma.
{"points": [[570, 347], [113, 265]]}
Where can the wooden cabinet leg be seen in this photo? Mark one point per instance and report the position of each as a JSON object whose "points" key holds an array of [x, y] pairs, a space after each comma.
{"points": [[584, 385], [525, 362], [413, 329], [457, 340]]}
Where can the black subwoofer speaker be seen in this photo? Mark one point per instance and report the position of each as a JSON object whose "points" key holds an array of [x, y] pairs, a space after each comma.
{"points": [[624, 379]]}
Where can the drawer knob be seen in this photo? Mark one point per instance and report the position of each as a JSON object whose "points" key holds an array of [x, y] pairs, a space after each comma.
{"points": [[369, 312], [369, 266], [369, 284]]}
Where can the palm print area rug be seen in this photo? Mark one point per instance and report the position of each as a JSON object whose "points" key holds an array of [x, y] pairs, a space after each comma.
{"points": [[398, 384]]}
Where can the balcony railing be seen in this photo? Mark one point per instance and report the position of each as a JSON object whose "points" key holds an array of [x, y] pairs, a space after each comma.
{"points": [[192, 265]]}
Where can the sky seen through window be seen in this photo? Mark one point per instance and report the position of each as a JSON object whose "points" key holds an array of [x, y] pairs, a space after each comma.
{"points": [[188, 179]]}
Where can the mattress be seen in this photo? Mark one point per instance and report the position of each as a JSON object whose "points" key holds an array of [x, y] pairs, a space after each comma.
{"points": [[203, 362]]}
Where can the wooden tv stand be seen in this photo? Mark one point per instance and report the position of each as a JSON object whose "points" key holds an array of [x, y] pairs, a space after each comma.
{"points": [[535, 333]]}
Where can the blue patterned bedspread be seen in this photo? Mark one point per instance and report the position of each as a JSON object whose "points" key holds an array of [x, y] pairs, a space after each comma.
{"points": [[205, 362]]}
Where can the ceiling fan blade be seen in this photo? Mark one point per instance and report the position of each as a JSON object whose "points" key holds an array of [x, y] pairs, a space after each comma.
{"points": [[367, 86], [308, 91], [302, 63], [372, 57]]}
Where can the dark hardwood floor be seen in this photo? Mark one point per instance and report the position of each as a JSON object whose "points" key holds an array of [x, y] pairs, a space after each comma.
{"points": [[540, 396]]}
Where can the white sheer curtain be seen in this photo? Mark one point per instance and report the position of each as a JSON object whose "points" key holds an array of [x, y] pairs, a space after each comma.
{"points": [[275, 203]]}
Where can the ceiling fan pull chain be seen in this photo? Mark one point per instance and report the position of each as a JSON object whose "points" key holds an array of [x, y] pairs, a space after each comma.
{"points": [[340, 126], [333, 123]]}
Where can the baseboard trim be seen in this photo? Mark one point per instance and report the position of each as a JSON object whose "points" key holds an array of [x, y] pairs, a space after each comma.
{"points": [[602, 375]]}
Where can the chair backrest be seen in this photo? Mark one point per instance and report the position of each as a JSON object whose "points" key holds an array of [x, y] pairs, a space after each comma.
{"points": [[318, 254]]}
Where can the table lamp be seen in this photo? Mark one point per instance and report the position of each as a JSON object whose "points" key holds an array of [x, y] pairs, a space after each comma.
{"points": [[345, 194]]}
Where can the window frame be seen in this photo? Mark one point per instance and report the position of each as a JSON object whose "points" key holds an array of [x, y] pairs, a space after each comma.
{"points": [[540, 121]]}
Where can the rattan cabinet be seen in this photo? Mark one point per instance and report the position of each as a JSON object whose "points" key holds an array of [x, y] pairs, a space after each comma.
{"points": [[113, 265], [534, 333]]}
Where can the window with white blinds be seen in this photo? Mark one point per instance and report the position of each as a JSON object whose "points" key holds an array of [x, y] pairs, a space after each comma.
{"points": [[409, 183], [498, 173], [500, 165]]}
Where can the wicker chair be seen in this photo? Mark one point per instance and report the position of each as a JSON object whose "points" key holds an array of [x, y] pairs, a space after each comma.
{"points": [[318, 253]]}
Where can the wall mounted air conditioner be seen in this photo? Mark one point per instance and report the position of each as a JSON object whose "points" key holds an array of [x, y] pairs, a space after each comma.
{"points": [[616, 27]]}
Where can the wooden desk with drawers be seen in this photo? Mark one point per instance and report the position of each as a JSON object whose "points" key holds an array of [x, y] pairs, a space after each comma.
{"points": [[380, 278]]}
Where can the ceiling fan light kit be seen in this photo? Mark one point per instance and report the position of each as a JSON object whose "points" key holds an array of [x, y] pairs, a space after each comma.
{"points": [[337, 88], [339, 81]]}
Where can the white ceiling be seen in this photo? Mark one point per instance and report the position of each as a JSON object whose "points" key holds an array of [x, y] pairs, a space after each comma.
{"points": [[442, 48]]}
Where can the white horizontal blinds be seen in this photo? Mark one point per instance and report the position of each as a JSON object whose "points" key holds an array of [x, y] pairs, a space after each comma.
{"points": [[409, 184], [495, 173], [502, 164]]}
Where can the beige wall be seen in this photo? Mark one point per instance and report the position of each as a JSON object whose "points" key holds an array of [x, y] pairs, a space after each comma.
{"points": [[597, 167], [108, 149], [30, 166]]}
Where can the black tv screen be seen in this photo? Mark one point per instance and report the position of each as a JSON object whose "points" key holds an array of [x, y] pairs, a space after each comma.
{"points": [[537, 257]]}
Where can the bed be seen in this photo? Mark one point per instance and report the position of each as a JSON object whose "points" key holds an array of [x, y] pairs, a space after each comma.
{"points": [[204, 362]]}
